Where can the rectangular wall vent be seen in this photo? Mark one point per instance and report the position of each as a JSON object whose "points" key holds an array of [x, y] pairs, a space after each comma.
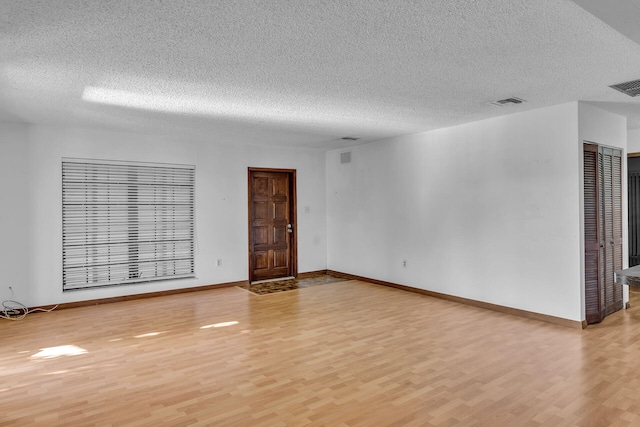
{"points": [[630, 88], [507, 101], [345, 157]]}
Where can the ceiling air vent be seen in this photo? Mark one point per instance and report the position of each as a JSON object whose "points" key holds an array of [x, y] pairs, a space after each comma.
{"points": [[507, 101], [630, 88]]}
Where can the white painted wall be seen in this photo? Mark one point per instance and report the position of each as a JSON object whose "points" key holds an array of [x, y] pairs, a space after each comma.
{"points": [[221, 204], [633, 140], [487, 211], [604, 128], [15, 268]]}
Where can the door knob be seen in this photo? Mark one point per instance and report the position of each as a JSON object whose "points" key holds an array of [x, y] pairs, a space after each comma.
{"points": [[289, 228]]}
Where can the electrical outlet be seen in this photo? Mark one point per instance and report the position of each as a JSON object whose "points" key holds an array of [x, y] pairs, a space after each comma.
{"points": [[404, 263], [219, 263]]}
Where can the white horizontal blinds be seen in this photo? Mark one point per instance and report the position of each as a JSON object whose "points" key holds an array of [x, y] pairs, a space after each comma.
{"points": [[126, 223]]}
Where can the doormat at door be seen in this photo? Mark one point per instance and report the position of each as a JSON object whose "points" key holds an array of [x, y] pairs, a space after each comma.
{"points": [[291, 284]]}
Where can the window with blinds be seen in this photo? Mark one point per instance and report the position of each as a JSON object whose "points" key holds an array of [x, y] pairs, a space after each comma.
{"points": [[126, 223]]}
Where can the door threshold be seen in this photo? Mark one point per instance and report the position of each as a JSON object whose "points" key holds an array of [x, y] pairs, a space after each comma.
{"points": [[272, 280]]}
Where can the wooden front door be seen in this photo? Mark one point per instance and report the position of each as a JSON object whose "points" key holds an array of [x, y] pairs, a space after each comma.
{"points": [[272, 224], [602, 230]]}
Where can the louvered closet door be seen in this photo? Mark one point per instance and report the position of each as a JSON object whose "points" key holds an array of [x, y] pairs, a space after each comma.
{"points": [[594, 306], [603, 230], [611, 220]]}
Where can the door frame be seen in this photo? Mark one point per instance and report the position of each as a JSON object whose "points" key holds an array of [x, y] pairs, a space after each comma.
{"points": [[293, 244]]}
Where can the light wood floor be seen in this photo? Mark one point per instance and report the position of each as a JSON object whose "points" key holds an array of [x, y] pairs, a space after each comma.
{"points": [[343, 354]]}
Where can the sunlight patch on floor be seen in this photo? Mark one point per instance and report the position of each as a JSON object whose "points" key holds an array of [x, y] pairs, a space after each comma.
{"points": [[62, 350], [149, 334], [219, 325]]}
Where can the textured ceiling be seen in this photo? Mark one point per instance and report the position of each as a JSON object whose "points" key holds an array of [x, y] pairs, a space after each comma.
{"points": [[302, 73], [622, 15]]}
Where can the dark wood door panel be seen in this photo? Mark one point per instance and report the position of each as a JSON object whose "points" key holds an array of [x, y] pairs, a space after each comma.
{"points": [[260, 236], [281, 185], [260, 186], [280, 236], [261, 260], [260, 210], [280, 258], [280, 211]]}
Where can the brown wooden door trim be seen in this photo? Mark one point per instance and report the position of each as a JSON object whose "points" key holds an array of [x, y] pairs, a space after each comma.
{"points": [[293, 247]]}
